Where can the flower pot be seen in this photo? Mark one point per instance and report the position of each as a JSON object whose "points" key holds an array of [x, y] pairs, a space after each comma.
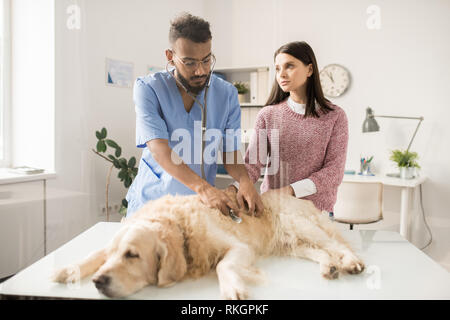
{"points": [[241, 98], [407, 172]]}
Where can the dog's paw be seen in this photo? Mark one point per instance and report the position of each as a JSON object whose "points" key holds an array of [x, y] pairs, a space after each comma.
{"points": [[234, 293], [329, 272], [352, 265], [69, 274]]}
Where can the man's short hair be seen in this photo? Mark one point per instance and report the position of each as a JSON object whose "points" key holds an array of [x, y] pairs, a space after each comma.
{"points": [[189, 27]]}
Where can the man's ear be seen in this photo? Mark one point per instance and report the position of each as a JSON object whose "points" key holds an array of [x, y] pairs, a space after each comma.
{"points": [[170, 250], [169, 56]]}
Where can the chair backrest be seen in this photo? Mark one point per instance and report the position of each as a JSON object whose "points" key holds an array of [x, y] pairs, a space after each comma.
{"points": [[359, 203]]}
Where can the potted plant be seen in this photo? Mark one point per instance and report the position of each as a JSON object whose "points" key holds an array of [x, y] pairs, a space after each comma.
{"points": [[127, 168], [242, 89], [406, 162]]}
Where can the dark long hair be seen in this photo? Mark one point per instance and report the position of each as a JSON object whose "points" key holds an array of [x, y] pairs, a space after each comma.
{"points": [[303, 52]]}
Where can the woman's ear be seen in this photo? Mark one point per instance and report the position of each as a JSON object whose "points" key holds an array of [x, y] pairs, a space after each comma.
{"points": [[172, 263], [310, 69]]}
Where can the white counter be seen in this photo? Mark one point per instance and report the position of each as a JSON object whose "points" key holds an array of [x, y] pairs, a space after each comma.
{"points": [[7, 177]]}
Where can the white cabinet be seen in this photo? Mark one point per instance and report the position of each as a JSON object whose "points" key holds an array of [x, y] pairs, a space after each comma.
{"points": [[258, 80], [21, 225]]}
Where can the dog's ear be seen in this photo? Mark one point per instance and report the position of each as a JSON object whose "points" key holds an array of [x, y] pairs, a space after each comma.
{"points": [[172, 263]]}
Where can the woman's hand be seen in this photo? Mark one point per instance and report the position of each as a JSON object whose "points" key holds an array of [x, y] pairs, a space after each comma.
{"points": [[287, 190]]}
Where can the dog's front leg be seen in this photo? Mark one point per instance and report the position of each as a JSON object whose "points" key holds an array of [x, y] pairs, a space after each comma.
{"points": [[74, 273], [232, 271]]}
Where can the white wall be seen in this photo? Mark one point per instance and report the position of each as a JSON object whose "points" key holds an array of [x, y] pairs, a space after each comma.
{"points": [[134, 31], [401, 69]]}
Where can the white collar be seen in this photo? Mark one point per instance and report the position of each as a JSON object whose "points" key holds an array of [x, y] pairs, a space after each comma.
{"points": [[296, 107]]}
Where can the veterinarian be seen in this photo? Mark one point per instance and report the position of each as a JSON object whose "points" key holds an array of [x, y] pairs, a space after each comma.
{"points": [[169, 107], [312, 132]]}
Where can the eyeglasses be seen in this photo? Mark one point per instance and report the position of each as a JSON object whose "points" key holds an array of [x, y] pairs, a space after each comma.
{"points": [[193, 65]]}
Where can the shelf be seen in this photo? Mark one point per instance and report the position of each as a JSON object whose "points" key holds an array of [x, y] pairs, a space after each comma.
{"points": [[243, 69], [257, 79], [249, 104]]}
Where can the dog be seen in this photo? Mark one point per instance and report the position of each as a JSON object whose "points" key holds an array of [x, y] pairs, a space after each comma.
{"points": [[179, 237]]}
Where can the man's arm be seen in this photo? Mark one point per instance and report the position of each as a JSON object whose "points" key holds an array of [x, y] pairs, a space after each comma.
{"points": [[234, 164], [174, 165]]}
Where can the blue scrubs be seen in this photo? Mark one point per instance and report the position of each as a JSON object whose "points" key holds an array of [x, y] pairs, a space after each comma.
{"points": [[160, 114]]}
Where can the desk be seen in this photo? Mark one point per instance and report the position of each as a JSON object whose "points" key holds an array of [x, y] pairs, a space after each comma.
{"points": [[395, 269], [406, 185]]}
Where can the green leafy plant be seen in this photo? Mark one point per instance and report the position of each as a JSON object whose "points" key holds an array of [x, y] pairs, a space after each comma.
{"points": [[127, 168], [404, 158], [241, 87]]}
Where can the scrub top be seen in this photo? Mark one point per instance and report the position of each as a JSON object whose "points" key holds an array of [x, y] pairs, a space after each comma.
{"points": [[160, 114]]}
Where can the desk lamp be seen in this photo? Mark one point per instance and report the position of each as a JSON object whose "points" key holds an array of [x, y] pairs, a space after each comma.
{"points": [[371, 125]]}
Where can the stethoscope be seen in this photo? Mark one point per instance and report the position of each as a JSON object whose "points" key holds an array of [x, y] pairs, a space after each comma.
{"points": [[203, 107]]}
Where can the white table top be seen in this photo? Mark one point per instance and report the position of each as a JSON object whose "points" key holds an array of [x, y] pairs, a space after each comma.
{"points": [[395, 269], [389, 181], [379, 178]]}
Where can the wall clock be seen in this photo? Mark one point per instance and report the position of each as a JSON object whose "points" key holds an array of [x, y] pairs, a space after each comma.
{"points": [[335, 80]]}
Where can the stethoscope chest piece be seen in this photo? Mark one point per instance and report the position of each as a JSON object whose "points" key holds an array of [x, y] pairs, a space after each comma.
{"points": [[234, 217]]}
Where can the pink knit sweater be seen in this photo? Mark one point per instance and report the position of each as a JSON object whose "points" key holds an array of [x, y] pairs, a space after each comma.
{"points": [[314, 148]]}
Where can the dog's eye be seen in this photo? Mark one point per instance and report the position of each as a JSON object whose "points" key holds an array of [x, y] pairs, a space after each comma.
{"points": [[130, 255]]}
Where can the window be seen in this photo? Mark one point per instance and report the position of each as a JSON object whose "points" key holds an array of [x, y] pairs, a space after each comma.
{"points": [[5, 68]]}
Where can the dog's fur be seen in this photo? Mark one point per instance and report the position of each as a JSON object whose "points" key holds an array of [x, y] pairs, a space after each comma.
{"points": [[176, 237]]}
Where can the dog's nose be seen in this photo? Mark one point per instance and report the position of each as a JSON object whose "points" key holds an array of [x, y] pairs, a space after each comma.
{"points": [[102, 281]]}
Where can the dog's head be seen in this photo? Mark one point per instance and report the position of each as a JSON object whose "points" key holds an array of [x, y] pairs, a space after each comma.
{"points": [[141, 254]]}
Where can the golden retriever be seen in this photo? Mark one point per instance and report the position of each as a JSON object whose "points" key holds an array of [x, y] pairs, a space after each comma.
{"points": [[176, 237]]}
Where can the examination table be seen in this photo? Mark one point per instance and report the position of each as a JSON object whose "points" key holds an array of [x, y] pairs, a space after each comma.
{"points": [[395, 269]]}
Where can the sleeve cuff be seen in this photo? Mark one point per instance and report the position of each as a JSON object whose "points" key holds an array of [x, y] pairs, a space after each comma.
{"points": [[236, 184], [304, 188]]}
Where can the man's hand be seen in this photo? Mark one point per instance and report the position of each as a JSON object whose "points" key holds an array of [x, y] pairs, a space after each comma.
{"points": [[247, 193], [215, 198]]}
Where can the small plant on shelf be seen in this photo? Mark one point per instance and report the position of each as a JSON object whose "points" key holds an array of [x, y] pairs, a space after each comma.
{"points": [[241, 87]]}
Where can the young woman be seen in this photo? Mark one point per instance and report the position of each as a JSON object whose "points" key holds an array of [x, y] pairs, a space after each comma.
{"points": [[305, 134]]}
